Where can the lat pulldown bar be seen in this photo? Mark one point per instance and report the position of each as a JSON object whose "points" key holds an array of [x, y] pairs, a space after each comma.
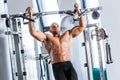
{"points": [[69, 12]]}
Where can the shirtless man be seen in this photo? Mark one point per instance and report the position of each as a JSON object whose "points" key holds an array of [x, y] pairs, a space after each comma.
{"points": [[59, 46]]}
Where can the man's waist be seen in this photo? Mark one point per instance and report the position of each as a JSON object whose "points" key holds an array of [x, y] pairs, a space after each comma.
{"points": [[61, 57], [58, 62]]}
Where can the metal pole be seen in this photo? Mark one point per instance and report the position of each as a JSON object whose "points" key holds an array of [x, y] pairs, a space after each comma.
{"points": [[17, 50], [22, 49], [69, 12], [87, 53], [5, 64], [99, 54], [87, 45]]}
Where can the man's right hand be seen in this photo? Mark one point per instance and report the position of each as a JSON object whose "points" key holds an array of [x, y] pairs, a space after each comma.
{"points": [[77, 8], [29, 10]]}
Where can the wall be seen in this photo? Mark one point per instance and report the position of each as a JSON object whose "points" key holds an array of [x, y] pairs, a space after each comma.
{"points": [[16, 6], [110, 17]]}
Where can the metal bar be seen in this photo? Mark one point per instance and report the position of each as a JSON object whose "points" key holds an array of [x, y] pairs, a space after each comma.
{"points": [[87, 53], [109, 50], [17, 50], [100, 54], [107, 54], [22, 49], [69, 12]]}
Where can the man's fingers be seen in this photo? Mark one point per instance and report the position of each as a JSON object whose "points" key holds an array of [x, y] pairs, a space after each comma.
{"points": [[28, 8], [76, 5]]}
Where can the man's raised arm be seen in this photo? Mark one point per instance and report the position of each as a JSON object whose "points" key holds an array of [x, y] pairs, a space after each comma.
{"points": [[75, 31], [36, 34]]}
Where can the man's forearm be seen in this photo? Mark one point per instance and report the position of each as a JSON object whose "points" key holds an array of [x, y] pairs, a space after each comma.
{"points": [[30, 23], [81, 17], [31, 27], [82, 21]]}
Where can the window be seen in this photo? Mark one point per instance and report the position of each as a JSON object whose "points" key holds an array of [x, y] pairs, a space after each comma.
{"points": [[46, 6]]}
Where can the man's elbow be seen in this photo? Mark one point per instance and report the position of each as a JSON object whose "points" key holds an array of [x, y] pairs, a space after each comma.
{"points": [[32, 33]]}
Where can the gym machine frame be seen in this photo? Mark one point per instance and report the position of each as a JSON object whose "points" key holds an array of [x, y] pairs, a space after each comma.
{"points": [[69, 12]]}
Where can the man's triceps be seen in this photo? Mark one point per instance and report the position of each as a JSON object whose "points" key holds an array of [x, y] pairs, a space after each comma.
{"points": [[75, 31]]}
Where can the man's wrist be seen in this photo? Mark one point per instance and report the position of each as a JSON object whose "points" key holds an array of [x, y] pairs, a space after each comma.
{"points": [[81, 15]]}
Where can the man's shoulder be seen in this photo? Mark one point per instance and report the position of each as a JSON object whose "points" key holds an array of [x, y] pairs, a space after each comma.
{"points": [[67, 33]]}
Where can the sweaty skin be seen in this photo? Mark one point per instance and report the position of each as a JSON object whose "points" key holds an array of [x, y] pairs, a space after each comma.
{"points": [[59, 46]]}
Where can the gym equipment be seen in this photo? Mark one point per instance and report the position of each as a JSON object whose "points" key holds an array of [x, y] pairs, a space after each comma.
{"points": [[94, 36], [5, 57], [69, 12]]}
